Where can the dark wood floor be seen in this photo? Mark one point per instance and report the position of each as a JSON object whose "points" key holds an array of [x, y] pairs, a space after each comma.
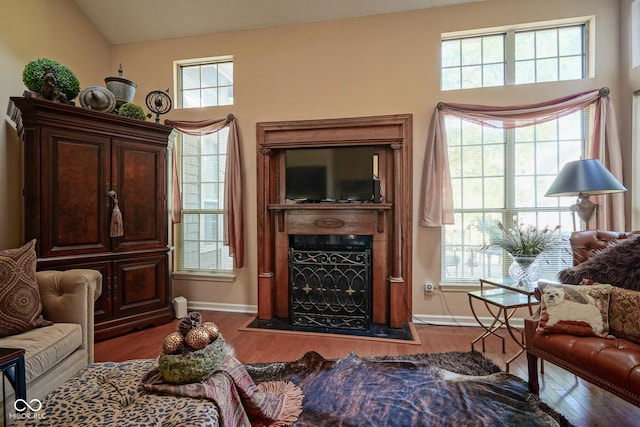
{"points": [[582, 403]]}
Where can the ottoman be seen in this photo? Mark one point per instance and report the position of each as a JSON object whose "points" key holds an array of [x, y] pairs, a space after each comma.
{"points": [[135, 394], [111, 394]]}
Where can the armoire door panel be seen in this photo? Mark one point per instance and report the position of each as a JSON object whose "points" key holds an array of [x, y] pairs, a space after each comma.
{"points": [[73, 198], [138, 178], [140, 284]]}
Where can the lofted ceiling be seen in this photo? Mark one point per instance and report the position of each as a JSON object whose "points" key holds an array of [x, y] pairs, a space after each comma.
{"points": [[130, 21]]}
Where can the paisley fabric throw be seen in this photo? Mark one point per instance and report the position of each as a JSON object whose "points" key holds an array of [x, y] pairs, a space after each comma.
{"points": [[239, 399]]}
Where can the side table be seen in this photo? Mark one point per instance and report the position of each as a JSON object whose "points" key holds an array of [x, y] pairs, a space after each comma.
{"points": [[502, 298], [12, 367]]}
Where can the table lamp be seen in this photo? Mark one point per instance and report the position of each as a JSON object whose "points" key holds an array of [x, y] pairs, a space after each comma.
{"points": [[584, 178]]}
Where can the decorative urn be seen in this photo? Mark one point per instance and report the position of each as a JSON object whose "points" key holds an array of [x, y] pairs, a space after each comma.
{"points": [[123, 89]]}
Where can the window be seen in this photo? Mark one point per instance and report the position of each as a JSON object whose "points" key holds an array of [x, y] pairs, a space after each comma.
{"points": [[501, 174], [550, 55], [201, 231], [514, 57], [473, 62], [206, 84]]}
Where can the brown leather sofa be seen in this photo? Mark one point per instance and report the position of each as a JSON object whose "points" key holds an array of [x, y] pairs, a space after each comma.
{"points": [[586, 243], [613, 364]]}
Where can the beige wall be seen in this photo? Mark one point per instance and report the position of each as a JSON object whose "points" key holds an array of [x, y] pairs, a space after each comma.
{"points": [[377, 65], [30, 29]]}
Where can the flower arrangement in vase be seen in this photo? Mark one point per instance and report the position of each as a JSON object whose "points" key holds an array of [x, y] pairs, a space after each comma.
{"points": [[524, 244]]}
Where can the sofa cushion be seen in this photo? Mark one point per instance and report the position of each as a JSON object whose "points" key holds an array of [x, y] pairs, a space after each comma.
{"points": [[45, 347], [20, 307], [579, 310], [617, 264]]}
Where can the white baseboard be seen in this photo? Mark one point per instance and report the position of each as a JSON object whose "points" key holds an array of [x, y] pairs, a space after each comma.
{"points": [[215, 306], [427, 319], [418, 319]]}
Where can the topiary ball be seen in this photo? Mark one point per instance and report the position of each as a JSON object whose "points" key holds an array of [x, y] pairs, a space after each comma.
{"points": [[195, 366], [33, 73], [131, 110]]}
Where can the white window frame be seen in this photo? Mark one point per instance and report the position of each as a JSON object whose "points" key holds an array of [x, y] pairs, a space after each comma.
{"points": [[469, 254], [509, 43], [224, 272], [508, 210], [180, 64], [226, 260]]}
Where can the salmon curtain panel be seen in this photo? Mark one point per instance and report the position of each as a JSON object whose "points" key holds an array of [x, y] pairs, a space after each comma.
{"points": [[233, 213], [436, 197]]}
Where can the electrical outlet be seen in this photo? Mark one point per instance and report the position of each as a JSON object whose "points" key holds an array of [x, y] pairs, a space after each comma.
{"points": [[428, 287]]}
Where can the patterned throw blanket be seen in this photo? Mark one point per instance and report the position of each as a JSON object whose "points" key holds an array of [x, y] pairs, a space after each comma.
{"points": [[240, 401]]}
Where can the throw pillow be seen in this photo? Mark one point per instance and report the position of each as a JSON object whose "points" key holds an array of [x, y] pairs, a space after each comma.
{"points": [[20, 307], [624, 314], [578, 310], [617, 264]]}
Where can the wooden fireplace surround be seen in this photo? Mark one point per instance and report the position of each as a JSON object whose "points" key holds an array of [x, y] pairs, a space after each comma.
{"points": [[388, 222]]}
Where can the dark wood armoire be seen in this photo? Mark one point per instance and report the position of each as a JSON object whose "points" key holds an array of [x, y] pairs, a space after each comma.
{"points": [[76, 162]]}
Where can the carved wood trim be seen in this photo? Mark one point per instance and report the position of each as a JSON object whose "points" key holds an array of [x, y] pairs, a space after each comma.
{"points": [[391, 137]]}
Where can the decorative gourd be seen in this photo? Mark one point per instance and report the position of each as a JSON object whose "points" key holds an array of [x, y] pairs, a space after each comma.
{"points": [[172, 343]]}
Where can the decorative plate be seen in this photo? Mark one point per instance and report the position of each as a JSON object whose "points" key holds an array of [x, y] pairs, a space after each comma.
{"points": [[97, 98]]}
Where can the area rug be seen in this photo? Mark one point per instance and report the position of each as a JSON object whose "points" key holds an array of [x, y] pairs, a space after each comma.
{"points": [[444, 389]]}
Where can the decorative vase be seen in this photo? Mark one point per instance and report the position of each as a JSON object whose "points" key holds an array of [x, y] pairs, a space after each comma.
{"points": [[524, 269]]}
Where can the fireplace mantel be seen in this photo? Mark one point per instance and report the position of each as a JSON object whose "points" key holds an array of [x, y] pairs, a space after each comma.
{"points": [[389, 223]]}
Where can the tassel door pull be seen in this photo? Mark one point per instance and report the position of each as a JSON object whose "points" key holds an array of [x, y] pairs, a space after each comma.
{"points": [[116, 228]]}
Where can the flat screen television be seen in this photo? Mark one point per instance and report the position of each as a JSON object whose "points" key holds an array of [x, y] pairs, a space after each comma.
{"points": [[329, 174]]}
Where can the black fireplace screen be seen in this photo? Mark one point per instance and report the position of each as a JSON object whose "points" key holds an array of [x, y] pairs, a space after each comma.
{"points": [[330, 288]]}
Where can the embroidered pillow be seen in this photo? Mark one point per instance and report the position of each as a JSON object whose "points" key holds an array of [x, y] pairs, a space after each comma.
{"points": [[20, 307], [624, 314], [578, 310], [624, 311]]}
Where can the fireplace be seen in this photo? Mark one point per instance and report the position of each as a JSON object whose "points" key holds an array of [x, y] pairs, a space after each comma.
{"points": [[377, 274], [330, 281]]}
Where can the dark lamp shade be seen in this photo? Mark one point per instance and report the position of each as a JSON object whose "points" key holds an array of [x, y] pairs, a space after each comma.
{"points": [[584, 177]]}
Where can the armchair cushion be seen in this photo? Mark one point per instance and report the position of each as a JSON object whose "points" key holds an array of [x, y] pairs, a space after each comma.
{"points": [[20, 306], [46, 347], [578, 310]]}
